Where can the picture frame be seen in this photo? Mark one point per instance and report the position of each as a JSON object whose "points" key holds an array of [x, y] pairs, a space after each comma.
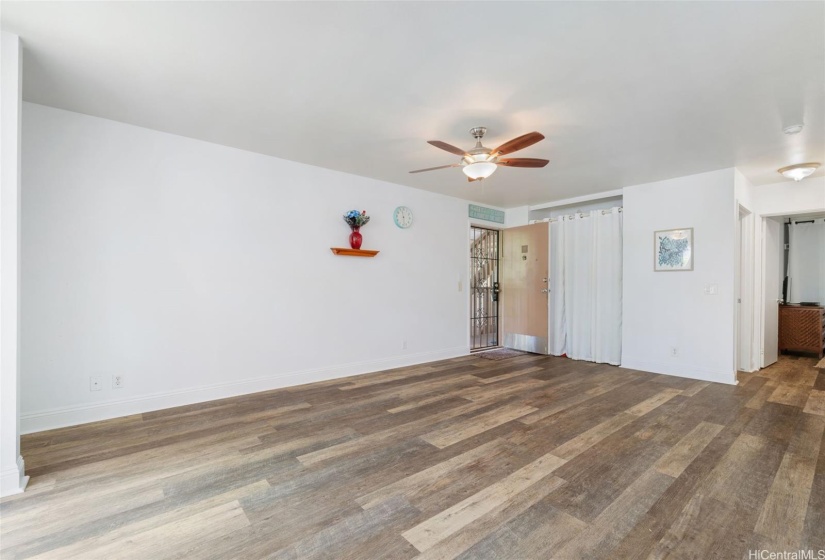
{"points": [[673, 250]]}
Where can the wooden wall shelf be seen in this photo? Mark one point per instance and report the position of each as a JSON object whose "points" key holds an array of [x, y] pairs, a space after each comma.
{"points": [[346, 252]]}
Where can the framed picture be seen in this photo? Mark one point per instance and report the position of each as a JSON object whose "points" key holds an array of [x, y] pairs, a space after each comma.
{"points": [[673, 250]]}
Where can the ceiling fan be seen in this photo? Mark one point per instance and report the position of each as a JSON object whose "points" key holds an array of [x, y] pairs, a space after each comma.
{"points": [[480, 162]]}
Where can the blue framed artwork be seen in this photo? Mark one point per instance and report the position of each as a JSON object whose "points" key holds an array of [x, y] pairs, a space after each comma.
{"points": [[673, 250]]}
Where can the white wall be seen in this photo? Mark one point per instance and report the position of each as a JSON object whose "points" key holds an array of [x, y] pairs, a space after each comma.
{"points": [[663, 310], [12, 479], [199, 271], [518, 216], [790, 197]]}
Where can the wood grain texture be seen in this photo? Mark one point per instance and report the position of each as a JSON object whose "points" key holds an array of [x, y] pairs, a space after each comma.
{"points": [[437, 528], [532, 457], [815, 403], [676, 460], [474, 425]]}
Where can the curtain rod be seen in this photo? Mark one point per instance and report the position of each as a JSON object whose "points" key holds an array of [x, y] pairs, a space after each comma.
{"points": [[581, 215]]}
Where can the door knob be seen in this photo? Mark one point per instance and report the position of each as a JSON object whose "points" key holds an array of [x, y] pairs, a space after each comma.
{"points": [[545, 291]]}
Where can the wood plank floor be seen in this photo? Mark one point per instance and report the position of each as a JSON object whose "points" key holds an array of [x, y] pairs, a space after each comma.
{"points": [[530, 457]]}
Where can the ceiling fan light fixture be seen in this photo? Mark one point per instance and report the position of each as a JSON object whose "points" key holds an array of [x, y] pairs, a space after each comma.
{"points": [[481, 162], [799, 171], [479, 169]]}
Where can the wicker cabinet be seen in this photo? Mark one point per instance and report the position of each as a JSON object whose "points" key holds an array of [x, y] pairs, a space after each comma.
{"points": [[802, 329]]}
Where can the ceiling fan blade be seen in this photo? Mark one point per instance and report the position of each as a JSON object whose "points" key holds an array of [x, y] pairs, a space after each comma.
{"points": [[470, 179], [434, 168], [523, 162], [448, 147], [519, 143]]}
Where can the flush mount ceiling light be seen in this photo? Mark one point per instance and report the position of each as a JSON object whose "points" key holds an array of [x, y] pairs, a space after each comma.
{"points": [[799, 171], [480, 162], [793, 129]]}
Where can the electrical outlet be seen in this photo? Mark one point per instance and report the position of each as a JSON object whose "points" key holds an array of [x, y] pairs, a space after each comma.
{"points": [[117, 382], [674, 352], [95, 383]]}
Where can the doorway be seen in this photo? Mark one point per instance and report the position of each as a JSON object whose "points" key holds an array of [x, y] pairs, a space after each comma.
{"points": [[525, 288], [484, 257], [793, 279]]}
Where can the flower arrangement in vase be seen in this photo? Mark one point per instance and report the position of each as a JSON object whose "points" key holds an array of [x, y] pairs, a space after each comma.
{"points": [[355, 220]]}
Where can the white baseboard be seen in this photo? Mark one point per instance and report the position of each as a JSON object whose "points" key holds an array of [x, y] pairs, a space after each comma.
{"points": [[39, 421], [13, 479], [680, 370]]}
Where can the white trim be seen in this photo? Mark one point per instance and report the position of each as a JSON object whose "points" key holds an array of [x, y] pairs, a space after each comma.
{"points": [[577, 199], [73, 415], [12, 480], [486, 225], [759, 304], [745, 286], [680, 370]]}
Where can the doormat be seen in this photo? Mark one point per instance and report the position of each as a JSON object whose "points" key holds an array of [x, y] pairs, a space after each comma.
{"points": [[501, 354]]}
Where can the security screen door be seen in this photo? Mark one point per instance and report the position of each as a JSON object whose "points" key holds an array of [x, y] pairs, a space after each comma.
{"points": [[484, 248]]}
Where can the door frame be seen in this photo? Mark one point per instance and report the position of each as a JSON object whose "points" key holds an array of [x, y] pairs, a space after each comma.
{"points": [[531, 335], [761, 274], [763, 292], [499, 236], [745, 346]]}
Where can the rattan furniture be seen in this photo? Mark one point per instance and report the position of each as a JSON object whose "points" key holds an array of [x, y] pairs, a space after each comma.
{"points": [[802, 329]]}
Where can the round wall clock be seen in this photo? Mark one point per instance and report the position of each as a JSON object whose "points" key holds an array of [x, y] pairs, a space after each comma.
{"points": [[403, 217]]}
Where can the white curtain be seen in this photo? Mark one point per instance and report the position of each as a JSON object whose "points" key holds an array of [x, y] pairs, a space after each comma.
{"points": [[558, 332], [806, 261], [586, 284]]}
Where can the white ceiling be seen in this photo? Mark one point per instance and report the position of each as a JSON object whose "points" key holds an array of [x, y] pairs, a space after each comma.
{"points": [[625, 93]]}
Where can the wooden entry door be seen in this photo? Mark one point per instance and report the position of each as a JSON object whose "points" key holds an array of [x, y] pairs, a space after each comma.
{"points": [[524, 287]]}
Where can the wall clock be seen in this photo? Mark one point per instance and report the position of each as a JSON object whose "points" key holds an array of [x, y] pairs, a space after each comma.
{"points": [[403, 217]]}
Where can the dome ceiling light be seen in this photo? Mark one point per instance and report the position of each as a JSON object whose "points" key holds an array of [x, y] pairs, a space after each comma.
{"points": [[799, 171]]}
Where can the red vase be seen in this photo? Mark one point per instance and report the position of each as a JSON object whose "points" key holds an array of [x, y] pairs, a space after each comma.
{"points": [[355, 238]]}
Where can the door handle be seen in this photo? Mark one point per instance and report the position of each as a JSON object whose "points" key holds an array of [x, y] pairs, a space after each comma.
{"points": [[545, 291]]}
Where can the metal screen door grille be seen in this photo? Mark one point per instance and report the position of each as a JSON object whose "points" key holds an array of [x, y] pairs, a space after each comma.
{"points": [[483, 278]]}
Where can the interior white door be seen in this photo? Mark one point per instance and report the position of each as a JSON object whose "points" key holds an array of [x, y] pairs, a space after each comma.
{"points": [[773, 257]]}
